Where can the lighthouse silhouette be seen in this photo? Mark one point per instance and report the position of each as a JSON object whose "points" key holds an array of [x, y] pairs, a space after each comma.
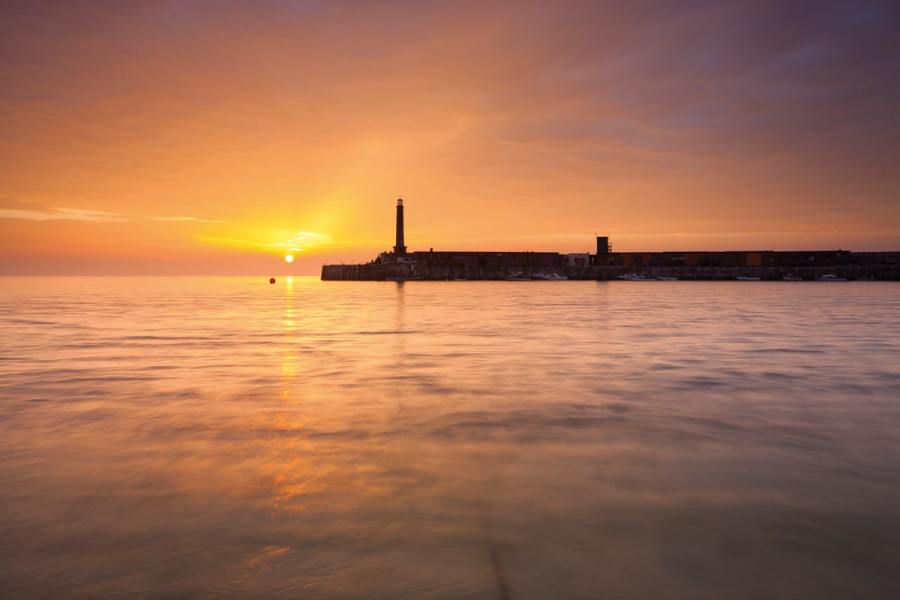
{"points": [[399, 247]]}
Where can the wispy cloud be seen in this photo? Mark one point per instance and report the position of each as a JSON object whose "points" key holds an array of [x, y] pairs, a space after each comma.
{"points": [[25, 210], [62, 214], [303, 240], [300, 241], [186, 219]]}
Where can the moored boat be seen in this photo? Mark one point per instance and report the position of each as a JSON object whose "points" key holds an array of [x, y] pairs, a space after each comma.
{"points": [[520, 276], [633, 277]]}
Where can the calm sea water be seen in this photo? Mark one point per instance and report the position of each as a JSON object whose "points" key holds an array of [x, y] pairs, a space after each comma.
{"points": [[221, 437]]}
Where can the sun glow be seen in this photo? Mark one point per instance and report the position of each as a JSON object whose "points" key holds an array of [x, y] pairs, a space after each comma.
{"points": [[280, 241], [288, 258]]}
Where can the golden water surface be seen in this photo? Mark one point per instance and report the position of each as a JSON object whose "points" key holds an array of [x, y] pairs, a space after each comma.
{"points": [[223, 437]]}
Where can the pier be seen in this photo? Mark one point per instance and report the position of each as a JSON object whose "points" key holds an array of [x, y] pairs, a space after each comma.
{"points": [[604, 264]]}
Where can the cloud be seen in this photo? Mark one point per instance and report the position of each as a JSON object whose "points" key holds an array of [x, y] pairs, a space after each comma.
{"points": [[63, 214], [303, 240], [186, 219], [299, 241], [24, 210]]}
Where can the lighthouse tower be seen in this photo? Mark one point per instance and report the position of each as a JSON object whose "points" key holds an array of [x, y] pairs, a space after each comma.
{"points": [[399, 247]]}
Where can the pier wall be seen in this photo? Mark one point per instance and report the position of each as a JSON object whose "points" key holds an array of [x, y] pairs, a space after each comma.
{"points": [[768, 265], [362, 272]]}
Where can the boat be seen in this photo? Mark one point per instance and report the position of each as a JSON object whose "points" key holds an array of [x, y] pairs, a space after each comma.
{"points": [[633, 277], [665, 278], [556, 277], [748, 278], [830, 277], [520, 276], [790, 277]]}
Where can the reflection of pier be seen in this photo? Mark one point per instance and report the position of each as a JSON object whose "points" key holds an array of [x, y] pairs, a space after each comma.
{"points": [[399, 264]]}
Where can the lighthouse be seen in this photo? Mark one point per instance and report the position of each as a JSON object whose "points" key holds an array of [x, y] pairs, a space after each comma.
{"points": [[399, 247]]}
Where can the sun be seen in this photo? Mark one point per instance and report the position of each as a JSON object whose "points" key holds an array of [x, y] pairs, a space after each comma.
{"points": [[288, 258]]}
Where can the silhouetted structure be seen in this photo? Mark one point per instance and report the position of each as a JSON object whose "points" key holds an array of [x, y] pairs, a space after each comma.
{"points": [[399, 246], [603, 247], [400, 264]]}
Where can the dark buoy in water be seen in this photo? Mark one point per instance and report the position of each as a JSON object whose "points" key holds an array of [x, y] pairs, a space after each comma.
{"points": [[272, 280]]}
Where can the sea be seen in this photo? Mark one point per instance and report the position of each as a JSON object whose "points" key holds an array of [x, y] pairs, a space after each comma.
{"points": [[204, 437]]}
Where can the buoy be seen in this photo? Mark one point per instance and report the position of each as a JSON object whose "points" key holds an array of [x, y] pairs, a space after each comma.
{"points": [[271, 280]]}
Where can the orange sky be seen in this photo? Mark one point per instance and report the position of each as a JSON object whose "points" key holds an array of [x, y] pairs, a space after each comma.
{"points": [[157, 137]]}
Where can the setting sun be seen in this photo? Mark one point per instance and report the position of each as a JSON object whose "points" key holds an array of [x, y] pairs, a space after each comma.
{"points": [[288, 258]]}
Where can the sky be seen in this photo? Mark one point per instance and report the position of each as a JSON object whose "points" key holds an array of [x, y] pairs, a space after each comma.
{"points": [[154, 137]]}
